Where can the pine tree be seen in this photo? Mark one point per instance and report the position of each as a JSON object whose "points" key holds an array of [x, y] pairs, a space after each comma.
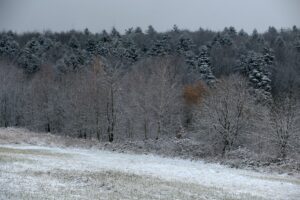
{"points": [[129, 31], [74, 43], [151, 31], [184, 44], [138, 30], [191, 59], [185, 47], [232, 32], [254, 35], [242, 33], [9, 48], [33, 46], [297, 43], [87, 32], [32, 55], [256, 67], [29, 61], [204, 66], [222, 40], [45, 43], [268, 56], [114, 33], [102, 48], [161, 47], [71, 61], [105, 37], [279, 42], [176, 29], [91, 46], [132, 53]]}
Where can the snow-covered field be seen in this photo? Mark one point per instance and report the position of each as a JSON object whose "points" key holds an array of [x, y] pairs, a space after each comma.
{"points": [[35, 172]]}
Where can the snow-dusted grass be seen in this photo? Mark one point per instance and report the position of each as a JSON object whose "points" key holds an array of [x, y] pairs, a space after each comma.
{"points": [[66, 173]]}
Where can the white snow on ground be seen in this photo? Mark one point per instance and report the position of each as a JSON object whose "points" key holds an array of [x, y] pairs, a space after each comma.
{"points": [[237, 181]]}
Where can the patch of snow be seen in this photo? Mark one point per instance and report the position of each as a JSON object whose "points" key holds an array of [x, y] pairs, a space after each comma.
{"points": [[237, 181]]}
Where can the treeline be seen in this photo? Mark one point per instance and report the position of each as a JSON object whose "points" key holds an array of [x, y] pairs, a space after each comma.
{"points": [[229, 89]]}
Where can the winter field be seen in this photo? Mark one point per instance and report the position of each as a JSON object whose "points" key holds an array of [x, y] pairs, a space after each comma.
{"points": [[40, 172]]}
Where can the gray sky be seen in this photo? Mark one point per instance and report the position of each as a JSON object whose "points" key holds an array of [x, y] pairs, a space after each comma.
{"points": [[96, 15]]}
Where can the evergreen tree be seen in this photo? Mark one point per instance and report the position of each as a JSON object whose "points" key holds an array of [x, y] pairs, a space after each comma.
{"points": [[29, 61], [176, 29], [105, 36], [254, 35], [204, 66], [161, 47], [32, 55], [256, 67], [9, 48], [74, 43], [71, 61], [114, 33], [191, 59], [45, 43], [185, 47], [151, 31], [242, 33], [184, 44], [138, 30], [297, 43], [129, 31], [222, 40], [268, 56], [102, 48], [295, 29], [279, 42], [132, 53], [91, 46], [232, 32], [87, 32], [280, 49]]}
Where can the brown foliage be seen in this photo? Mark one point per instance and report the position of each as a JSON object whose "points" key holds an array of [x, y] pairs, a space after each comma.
{"points": [[194, 94]]}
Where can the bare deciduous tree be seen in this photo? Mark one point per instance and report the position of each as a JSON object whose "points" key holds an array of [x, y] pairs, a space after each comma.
{"points": [[285, 118], [229, 113], [153, 98]]}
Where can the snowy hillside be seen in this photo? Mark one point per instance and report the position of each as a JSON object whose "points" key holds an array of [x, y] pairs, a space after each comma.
{"points": [[31, 172]]}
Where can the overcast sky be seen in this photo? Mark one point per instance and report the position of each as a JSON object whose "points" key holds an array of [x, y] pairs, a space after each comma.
{"points": [[96, 15]]}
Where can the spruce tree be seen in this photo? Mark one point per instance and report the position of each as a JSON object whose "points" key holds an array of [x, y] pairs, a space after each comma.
{"points": [[132, 53], [105, 37], [29, 61], [257, 67], [9, 48], [161, 47], [74, 43], [91, 46], [185, 47], [32, 56], [204, 66], [222, 40], [151, 31], [297, 43], [184, 44], [114, 33]]}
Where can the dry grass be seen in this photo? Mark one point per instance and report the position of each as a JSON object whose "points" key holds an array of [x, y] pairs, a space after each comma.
{"points": [[37, 152], [22, 179], [10, 159], [276, 179], [24, 136], [113, 185], [41, 173]]}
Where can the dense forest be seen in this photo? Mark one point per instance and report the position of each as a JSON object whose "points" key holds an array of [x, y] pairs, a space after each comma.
{"points": [[227, 89]]}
